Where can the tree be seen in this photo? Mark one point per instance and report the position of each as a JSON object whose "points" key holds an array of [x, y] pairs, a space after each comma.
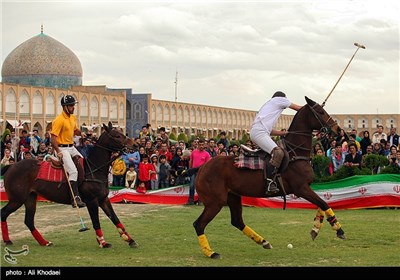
{"points": [[375, 162], [183, 136]]}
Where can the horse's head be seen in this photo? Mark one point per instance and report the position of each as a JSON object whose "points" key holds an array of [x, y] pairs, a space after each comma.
{"points": [[114, 139], [324, 123]]}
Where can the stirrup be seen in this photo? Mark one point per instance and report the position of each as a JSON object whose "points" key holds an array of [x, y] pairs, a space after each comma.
{"points": [[272, 187]]}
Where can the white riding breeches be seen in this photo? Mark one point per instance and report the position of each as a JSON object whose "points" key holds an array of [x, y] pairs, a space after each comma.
{"points": [[68, 153], [260, 136]]}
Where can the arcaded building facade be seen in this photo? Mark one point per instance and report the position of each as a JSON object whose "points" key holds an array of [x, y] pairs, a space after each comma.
{"points": [[38, 72]]}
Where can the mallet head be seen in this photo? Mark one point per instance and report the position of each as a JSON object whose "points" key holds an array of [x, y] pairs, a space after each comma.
{"points": [[359, 45]]}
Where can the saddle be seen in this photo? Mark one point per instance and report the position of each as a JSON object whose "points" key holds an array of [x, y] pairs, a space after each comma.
{"points": [[258, 159], [51, 169]]}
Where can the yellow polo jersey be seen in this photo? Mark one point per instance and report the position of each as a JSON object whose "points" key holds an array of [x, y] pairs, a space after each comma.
{"points": [[63, 128]]}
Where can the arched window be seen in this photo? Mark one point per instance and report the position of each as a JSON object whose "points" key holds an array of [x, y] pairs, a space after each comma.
{"points": [[24, 107], [104, 108], [94, 107], [11, 101], [114, 109], [84, 106], [37, 103], [50, 104]]}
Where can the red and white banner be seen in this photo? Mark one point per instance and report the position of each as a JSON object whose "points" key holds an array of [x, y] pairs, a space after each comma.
{"points": [[382, 190]]}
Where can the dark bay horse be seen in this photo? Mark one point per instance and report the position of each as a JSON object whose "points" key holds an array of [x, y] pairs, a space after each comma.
{"points": [[23, 187], [219, 182]]}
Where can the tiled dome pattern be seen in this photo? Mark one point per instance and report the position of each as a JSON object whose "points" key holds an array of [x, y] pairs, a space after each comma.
{"points": [[42, 61]]}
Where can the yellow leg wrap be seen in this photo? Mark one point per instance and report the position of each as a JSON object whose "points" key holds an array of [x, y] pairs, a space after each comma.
{"points": [[329, 213], [253, 235], [319, 217], [205, 247], [336, 226]]}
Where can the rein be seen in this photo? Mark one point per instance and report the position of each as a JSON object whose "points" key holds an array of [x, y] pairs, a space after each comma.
{"points": [[107, 163], [291, 147]]}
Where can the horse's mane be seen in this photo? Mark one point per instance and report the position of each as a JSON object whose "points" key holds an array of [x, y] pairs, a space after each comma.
{"points": [[298, 114]]}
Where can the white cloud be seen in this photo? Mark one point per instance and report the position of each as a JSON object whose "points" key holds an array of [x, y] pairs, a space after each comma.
{"points": [[230, 54]]}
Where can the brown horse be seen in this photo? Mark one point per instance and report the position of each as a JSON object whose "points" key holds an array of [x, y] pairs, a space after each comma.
{"points": [[23, 187], [219, 182]]}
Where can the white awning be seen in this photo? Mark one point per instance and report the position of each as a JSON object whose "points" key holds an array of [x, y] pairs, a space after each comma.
{"points": [[91, 127], [15, 123], [118, 126]]}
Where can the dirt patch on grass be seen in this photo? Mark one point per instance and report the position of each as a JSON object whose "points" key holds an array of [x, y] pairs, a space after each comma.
{"points": [[52, 216]]}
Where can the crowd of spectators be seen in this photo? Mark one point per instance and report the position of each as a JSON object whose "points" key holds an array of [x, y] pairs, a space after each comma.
{"points": [[155, 158], [350, 149]]}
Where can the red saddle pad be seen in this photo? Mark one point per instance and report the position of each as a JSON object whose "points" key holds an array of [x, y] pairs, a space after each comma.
{"points": [[49, 173]]}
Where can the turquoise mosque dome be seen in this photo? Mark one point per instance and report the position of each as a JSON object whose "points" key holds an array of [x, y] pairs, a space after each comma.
{"points": [[42, 61]]}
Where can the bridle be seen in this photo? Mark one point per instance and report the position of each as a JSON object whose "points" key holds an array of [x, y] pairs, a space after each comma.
{"points": [[326, 127], [108, 149]]}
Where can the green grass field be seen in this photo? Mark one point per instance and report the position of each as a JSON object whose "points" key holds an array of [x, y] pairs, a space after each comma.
{"points": [[167, 238]]}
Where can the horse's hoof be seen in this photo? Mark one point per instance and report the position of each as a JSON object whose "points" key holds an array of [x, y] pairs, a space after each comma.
{"points": [[8, 242], [133, 244], [314, 234], [107, 245], [49, 244], [340, 234], [215, 256], [267, 245]]}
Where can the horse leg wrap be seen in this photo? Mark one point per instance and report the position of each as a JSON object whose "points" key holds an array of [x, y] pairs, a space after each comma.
{"points": [[331, 218], [319, 218], [39, 238], [4, 231], [100, 238], [122, 232], [334, 223], [205, 247], [253, 235]]}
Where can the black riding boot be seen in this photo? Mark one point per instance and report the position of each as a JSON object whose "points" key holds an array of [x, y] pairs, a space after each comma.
{"points": [[78, 200]]}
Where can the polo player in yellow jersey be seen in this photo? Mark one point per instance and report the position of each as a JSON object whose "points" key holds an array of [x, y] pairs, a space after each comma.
{"points": [[63, 129]]}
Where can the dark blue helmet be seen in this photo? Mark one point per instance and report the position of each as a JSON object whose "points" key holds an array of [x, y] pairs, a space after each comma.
{"points": [[279, 94], [68, 100]]}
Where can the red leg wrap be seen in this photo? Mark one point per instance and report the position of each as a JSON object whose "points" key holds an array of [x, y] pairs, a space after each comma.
{"points": [[39, 237], [122, 232], [100, 237], [4, 231]]}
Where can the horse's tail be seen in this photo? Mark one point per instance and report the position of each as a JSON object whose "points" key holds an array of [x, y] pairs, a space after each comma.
{"points": [[4, 169]]}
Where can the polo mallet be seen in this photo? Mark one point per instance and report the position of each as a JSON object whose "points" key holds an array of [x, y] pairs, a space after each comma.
{"points": [[358, 47], [84, 227]]}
